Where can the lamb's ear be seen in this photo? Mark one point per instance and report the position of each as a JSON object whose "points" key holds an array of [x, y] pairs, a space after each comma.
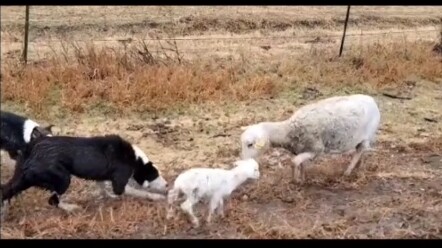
{"points": [[244, 128], [260, 143]]}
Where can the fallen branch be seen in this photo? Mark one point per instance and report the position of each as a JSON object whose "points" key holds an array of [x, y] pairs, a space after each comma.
{"points": [[396, 96]]}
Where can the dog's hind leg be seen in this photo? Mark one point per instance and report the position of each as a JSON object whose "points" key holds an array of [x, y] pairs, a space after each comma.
{"points": [[12, 188]]}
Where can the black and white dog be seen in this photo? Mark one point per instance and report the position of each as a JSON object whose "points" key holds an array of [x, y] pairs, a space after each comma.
{"points": [[17, 131], [49, 163]]}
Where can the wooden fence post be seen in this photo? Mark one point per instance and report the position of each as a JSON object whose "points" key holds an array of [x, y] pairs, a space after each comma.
{"points": [[25, 48], [345, 30]]}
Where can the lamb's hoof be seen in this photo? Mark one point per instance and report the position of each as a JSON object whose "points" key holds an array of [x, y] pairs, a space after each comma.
{"points": [[112, 196], [196, 224], [68, 207], [347, 173], [157, 197], [297, 182], [169, 216], [287, 199]]}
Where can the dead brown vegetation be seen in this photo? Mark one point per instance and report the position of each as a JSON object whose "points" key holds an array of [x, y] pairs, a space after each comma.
{"points": [[128, 80]]}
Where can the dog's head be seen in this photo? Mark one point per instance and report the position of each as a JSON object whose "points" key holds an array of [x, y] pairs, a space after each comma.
{"points": [[146, 173]]}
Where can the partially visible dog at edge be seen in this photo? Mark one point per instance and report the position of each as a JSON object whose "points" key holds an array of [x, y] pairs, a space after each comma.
{"points": [[17, 131]]}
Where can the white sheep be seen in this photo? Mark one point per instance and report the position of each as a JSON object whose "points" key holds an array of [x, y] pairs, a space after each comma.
{"points": [[212, 184], [334, 125]]}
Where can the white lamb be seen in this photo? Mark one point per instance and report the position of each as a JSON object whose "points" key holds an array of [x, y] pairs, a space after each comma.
{"points": [[334, 125], [213, 184]]}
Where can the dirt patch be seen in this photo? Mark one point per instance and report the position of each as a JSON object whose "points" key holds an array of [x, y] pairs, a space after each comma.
{"points": [[395, 194]]}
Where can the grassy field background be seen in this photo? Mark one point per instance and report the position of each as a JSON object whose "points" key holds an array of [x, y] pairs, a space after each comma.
{"points": [[181, 81]]}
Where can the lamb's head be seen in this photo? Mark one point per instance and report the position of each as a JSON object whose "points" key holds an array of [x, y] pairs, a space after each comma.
{"points": [[254, 141], [146, 174], [248, 167]]}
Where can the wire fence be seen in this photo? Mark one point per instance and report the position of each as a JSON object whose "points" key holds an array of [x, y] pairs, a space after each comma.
{"points": [[234, 40]]}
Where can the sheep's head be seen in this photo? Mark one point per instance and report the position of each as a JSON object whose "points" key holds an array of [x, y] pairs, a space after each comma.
{"points": [[254, 141], [250, 168]]}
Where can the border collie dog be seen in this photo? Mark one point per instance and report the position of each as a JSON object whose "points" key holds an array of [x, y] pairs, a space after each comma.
{"points": [[49, 163], [17, 131]]}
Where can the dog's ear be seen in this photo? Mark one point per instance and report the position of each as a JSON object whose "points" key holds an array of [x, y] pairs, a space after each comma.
{"points": [[49, 128], [39, 132]]}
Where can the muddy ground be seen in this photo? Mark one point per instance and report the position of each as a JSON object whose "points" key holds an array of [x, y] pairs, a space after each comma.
{"points": [[397, 193]]}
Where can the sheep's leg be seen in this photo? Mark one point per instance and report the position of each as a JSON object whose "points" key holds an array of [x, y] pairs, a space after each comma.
{"points": [[356, 161], [298, 166], [187, 206]]}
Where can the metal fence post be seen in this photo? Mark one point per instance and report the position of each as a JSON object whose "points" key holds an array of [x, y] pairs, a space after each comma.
{"points": [[25, 49], [345, 30]]}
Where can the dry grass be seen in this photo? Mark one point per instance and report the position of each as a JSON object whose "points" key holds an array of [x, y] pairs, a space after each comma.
{"points": [[117, 81]]}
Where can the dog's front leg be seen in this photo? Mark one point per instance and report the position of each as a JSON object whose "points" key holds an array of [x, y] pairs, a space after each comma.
{"points": [[143, 194]]}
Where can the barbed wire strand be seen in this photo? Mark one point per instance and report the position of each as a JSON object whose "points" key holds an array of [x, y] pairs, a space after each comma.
{"points": [[242, 38]]}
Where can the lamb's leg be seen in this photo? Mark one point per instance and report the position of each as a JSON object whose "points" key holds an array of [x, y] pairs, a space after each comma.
{"points": [[103, 191], [172, 197], [356, 160], [298, 166], [220, 208], [214, 202], [4, 210], [187, 206], [55, 200]]}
